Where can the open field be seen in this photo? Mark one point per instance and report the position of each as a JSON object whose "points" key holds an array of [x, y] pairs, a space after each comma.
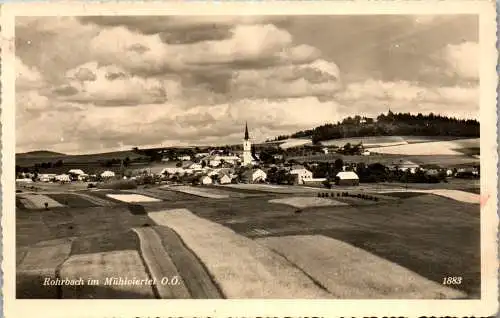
{"points": [[242, 268], [306, 202], [352, 275], [160, 264], [38, 201], [199, 191], [368, 142], [214, 244], [269, 188], [125, 264], [389, 141], [429, 148], [132, 198], [294, 142]]}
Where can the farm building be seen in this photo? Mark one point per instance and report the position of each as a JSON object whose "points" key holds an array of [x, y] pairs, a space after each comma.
{"points": [[255, 175], [206, 180], [314, 181], [108, 174], [347, 178], [302, 174], [184, 158], [63, 178], [225, 179], [76, 172], [46, 177]]}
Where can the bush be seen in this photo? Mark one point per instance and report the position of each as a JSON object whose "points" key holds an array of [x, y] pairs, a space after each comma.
{"points": [[118, 185]]}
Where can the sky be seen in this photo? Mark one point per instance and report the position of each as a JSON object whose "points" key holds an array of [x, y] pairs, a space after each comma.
{"points": [[96, 84]]}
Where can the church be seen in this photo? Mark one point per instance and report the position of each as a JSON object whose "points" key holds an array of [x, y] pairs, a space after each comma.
{"points": [[248, 158]]}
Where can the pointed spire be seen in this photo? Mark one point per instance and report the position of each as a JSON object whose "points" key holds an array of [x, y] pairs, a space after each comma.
{"points": [[246, 131]]}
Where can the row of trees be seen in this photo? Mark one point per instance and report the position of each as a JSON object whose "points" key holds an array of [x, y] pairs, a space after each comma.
{"points": [[403, 124]]}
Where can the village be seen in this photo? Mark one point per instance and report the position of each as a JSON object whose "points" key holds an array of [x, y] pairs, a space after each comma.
{"points": [[220, 166]]}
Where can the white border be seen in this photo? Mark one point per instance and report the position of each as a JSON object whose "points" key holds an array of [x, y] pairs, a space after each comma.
{"points": [[488, 304]]}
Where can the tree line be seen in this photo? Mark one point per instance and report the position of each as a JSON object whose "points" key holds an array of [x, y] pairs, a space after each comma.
{"points": [[391, 124]]}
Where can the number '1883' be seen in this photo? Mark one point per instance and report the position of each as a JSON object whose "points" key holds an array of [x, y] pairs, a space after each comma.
{"points": [[452, 280]]}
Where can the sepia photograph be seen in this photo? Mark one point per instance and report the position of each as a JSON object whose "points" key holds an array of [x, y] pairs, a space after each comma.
{"points": [[233, 156]]}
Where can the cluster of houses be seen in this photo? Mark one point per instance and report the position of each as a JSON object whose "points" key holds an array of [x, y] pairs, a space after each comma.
{"points": [[71, 175]]}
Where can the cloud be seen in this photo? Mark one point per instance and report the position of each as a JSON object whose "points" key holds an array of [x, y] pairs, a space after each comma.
{"points": [[375, 96], [269, 45], [463, 59], [27, 77], [152, 25], [109, 86], [319, 78], [53, 45]]}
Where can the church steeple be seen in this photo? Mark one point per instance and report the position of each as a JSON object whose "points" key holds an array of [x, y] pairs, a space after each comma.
{"points": [[246, 131], [247, 148]]}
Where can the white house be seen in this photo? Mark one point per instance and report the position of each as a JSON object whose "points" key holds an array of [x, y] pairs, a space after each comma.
{"points": [[302, 174], [184, 158], [46, 177], [255, 175], [206, 180], [225, 179], [366, 153], [107, 174], [63, 178]]}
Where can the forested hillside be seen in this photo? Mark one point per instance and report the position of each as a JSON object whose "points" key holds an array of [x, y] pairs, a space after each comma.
{"points": [[391, 124]]}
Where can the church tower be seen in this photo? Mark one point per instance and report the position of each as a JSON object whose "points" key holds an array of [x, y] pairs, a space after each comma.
{"points": [[247, 148]]}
